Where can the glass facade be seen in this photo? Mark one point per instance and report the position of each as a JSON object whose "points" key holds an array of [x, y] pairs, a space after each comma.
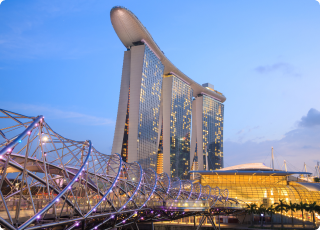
{"points": [[180, 126], [160, 153], [124, 149], [149, 110], [265, 190], [212, 133]]}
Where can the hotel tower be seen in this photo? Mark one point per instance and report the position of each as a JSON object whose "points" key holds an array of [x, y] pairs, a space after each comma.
{"points": [[166, 121]]}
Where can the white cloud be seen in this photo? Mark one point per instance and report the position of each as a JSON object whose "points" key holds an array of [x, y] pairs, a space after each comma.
{"points": [[296, 147], [284, 68], [1, 1]]}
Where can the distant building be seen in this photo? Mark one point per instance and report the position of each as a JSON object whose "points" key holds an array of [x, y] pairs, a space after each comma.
{"points": [[207, 131], [259, 184], [159, 106]]}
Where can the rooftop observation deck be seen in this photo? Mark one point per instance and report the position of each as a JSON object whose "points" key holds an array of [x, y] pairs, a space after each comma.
{"points": [[131, 32]]}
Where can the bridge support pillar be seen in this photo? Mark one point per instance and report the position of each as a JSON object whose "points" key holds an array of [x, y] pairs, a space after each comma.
{"points": [[209, 218]]}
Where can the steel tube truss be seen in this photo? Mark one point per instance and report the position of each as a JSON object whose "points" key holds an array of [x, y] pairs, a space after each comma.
{"points": [[49, 180]]}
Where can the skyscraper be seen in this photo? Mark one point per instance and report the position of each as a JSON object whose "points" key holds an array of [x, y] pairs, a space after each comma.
{"points": [[165, 120], [177, 109], [140, 98]]}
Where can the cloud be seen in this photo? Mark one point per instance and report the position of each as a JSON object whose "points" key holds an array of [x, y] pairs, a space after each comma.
{"points": [[240, 131], [282, 67], [312, 119], [296, 147], [1, 1], [54, 113]]}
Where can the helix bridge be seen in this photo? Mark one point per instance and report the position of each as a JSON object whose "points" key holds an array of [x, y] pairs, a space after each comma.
{"points": [[48, 180]]}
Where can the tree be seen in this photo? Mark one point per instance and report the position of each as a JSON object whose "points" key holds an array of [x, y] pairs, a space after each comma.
{"points": [[251, 209], [291, 207], [282, 206], [261, 210], [312, 208], [271, 211], [302, 206]]}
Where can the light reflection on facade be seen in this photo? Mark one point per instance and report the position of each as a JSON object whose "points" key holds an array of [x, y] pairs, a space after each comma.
{"points": [[212, 128], [154, 118], [180, 127], [149, 110]]}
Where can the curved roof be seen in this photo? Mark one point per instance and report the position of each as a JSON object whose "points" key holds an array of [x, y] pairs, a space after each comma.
{"points": [[315, 187], [248, 167], [130, 30]]}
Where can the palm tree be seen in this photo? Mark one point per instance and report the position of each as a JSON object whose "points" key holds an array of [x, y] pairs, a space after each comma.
{"points": [[312, 208], [282, 206], [302, 206], [252, 208], [261, 210], [270, 211], [292, 207]]}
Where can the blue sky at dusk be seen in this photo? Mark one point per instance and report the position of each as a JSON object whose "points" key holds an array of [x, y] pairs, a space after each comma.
{"points": [[63, 60]]}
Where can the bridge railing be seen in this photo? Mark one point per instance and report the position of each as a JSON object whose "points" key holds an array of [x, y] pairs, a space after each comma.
{"points": [[53, 180], [195, 205]]}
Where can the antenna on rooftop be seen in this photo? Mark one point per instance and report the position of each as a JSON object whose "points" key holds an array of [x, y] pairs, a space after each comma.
{"points": [[272, 158], [305, 168], [285, 165]]}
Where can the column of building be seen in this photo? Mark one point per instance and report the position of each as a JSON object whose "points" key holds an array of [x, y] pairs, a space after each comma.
{"points": [[177, 111], [138, 121]]}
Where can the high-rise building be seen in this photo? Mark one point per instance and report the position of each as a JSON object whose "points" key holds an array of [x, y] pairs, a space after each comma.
{"points": [[177, 109], [165, 120], [137, 139]]}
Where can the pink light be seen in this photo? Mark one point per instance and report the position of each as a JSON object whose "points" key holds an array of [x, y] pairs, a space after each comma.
{"points": [[141, 218], [9, 150], [38, 217], [28, 132]]}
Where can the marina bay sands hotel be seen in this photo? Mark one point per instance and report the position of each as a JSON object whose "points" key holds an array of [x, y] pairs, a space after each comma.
{"points": [[166, 121]]}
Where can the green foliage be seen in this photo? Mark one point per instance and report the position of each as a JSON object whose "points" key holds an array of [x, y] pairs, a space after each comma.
{"points": [[280, 207], [261, 209], [251, 208], [271, 210], [291, 207]]}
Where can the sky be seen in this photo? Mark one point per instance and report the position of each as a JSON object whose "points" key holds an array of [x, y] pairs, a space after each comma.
{"points": [[63, 60]]}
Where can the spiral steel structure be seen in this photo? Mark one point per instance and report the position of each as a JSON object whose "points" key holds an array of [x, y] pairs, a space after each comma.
{"points": [[48, 180]]}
